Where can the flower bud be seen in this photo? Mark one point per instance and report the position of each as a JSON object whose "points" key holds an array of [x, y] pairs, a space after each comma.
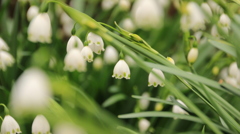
{"points": [[98, 63], [192, 55], [110, 55], [128, 25], [143, 125], [144, 103], [124, 5], [171, 60]]}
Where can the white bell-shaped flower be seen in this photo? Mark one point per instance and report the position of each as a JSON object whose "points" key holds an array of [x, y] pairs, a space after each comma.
{"points": [[153, 80], [124, 5], [108, 4], [143, 125], [121, 70], [233, 70], [206, 9], [215, 7], [67, 128], [39, 29], [110, 55], [144, 103], [98, 63], [6, 60], [128, 25], [179, 110], [74, 42], [40, 125], [32, 12], [192, 55], [87, 53], [74, 61], [3, 45], [232, 81], [224, 21], [147, 15], [10, 126], [95, 42], [31, 92]]}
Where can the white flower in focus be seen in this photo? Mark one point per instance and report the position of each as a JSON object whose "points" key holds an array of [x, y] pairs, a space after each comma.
{"points": [[67, 128], [153, 80], [98, 63], [31, 92], [3, 45], [128, 25], [10, 126], [39, 29], [144, 103], [224, 21], [6, 60], [124, 5], [143, 125], [40, 125], [110, 55], [147, 15], [74, 42], [121, 70], [87, 53], [95, 43], [192, 55], [32, 12], [74, 61], [108, 4], [179, 110]]}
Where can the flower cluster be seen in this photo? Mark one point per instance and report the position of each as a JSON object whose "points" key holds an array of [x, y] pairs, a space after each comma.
{"points": [[6, 59]]}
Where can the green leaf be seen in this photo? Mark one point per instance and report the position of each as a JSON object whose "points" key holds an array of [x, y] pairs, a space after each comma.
{"points": [[224, 46], [126, 130], [113, 99]]}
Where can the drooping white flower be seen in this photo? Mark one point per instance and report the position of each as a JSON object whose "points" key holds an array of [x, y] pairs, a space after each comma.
{"points": [[40, 125], [124, 5], [108, 4], [215, 7], [98, 63], [147, 15], [224, 21], [10, 126], [39, 29], [224, 73], [233, 70], [87, 53], [3, 45], [74, 42], [32, 12], [110, 55], [232, 81], [6, 60], [31, 92], [179, 110], [214, 32], [144, 103], [192, 55], [153, 80], [128, 25], [67, 128], [74, 61], [121, 70], [143, 125], [206, 9], [95, 43]]}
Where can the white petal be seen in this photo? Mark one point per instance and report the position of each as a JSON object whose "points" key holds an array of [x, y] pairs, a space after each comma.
{"points": [[87, 53], [3, 45], [40, 125], [153, 80], [95, 43], [121, 70], [9, 125], [74, 42], [5, 60], [110, 55], [74, 61]]}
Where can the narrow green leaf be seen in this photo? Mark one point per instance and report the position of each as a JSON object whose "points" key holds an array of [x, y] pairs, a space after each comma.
{"points": [[113, 99], [224, 46], [126, 130]]}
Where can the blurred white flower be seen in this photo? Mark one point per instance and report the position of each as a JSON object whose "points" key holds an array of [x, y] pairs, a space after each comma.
{"points": [[108, 4], [74, 61], [179, 110], [192, 55], [130, 61], [232, 81], [153, 80], [207, 10], [52, 62], [214, 32], [39, 29], [6, 60], [10, 126], [74, 42], [128, 25], [3, 45], [67, 128], [215, 7], [67, 23], [143, 125], [233, 70], [98, 63], [110, 55], [95, 42], [124, 5], [32, 12], [164, 3], [144, 103], [224, 21], [121, 70], [40, 125], [31, 92], [224, 73], [87, 53], [147, 15], [171, 60]]}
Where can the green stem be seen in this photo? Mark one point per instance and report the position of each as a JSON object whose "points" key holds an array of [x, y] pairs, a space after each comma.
{"points": [[6, 111]]}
